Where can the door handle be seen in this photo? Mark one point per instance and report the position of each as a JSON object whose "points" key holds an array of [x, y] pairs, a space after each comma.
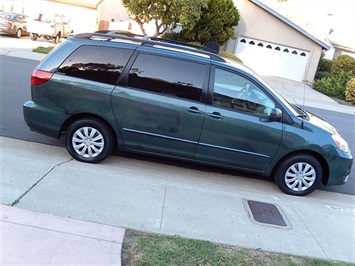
{"points": [[215, 115], [194, 110]]}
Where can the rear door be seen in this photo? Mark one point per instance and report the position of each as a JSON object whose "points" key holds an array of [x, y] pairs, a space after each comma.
{"points": [[159, 111], [237, 131]]}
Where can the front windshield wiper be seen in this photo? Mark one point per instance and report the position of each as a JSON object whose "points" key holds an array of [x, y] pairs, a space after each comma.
{"points": [[301, 113]]}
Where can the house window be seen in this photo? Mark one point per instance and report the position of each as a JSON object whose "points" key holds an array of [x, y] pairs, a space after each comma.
{"points": [[260, 44], [251, 42], [277, 48], [286, 50], [243, 41], [294, 52], [269, 46], [303, 54]]}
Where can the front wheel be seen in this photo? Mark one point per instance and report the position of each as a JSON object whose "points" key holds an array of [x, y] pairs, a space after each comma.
{"points": [[56, 39], [18, 33], [89, 140], [299, 175]]}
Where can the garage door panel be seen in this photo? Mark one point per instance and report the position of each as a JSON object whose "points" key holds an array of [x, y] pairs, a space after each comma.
{"points": [[272, 59]]}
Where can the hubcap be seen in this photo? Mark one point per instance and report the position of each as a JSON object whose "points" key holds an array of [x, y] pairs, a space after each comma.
{"points": [[300, 176], [88, 142]]}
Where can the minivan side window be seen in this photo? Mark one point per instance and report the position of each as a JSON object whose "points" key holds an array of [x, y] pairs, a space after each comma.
{"points": [[233, 91], [168, 76], [96, 63]]}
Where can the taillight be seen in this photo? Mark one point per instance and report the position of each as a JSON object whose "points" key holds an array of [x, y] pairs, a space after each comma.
{"points": [[40, 77], [9, 23]]}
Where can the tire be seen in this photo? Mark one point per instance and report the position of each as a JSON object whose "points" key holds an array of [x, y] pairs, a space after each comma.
{"points": [[33, 36], [89, 140], [299, 175], [56, 39], [18, 33]]}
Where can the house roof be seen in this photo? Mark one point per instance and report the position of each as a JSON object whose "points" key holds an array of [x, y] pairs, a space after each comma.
{"points": [[91, 4], [290, 23]]}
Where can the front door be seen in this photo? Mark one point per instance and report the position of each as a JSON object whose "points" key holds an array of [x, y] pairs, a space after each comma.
{"points": [[236, 130]]}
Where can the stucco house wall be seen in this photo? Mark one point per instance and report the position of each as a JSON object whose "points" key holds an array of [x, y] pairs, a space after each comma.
{"points": [[257, 23]]}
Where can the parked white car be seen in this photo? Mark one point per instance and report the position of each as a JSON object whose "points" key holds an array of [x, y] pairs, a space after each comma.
{"points": [[50, 26]]}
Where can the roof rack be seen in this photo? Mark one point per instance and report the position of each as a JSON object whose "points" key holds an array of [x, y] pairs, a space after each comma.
{"points": [[107, 35]]}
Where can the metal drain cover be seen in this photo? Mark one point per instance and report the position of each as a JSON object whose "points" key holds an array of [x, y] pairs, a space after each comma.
{"points": [[266, 213]]}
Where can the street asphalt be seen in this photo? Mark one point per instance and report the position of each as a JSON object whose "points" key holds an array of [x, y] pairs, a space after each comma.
{"points": [[55, 210]]}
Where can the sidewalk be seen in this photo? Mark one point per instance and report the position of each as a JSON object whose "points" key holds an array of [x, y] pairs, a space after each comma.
{"points": [[35, 238], [166, 199]]}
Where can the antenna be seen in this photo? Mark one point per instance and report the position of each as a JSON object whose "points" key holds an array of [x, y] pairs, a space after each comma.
{"points": [[304, 93]]}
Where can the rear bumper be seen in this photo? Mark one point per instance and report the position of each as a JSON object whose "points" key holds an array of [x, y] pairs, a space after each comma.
{"points": [[47, 121]]}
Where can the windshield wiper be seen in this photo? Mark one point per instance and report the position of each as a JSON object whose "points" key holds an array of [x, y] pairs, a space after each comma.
{"points": [[301, 113]]}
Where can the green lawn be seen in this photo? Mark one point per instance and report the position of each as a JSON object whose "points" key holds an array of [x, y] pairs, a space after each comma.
{"points": [[156, 250]]}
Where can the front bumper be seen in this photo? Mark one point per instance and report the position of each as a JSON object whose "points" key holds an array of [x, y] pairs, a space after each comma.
{"points": [[340, 168]]}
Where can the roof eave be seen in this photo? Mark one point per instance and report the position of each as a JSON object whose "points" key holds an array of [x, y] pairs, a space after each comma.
{"points": [[290, 23]]}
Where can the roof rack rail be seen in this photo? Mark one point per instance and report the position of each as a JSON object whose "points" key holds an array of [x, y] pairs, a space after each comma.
{"points": [[108, 35], [122, 32], [205, 48]]}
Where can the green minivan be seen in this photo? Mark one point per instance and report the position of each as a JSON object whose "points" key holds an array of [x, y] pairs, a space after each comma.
{"points": [[105, 90]]}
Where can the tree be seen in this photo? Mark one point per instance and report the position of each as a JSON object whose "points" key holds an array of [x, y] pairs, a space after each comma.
{"points": [[216, 23], [165, 13]]}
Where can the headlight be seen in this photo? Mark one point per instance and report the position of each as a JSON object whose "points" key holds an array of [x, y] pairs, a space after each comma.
{"points": [[341, 143]]}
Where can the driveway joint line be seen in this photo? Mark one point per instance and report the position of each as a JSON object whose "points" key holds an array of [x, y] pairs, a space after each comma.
{"points": [[17, 201], [319, 244], [162, 210], [63, 232]]}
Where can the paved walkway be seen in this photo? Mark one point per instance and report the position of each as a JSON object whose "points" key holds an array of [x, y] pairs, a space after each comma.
{"points": [[34, 238]]}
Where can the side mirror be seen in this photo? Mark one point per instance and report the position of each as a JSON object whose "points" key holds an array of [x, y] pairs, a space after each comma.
{"points": [[276, 114]]}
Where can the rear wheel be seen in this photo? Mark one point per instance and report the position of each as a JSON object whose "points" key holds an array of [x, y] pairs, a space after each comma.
{"points": [[299, 175], [89, 140], [33, 36]]}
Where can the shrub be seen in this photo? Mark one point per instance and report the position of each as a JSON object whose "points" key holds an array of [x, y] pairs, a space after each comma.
{"points": [[230, 56], [350, 91], [171, 35], [325, 65], [342, 63], [334, 86], [321, 74], [324, 68]]}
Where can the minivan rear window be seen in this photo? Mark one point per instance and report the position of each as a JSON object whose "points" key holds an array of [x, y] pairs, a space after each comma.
{"points": [[96, 63]]}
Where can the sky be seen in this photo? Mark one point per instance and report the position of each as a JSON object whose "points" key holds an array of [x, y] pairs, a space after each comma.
{"points": [[319, 16]]}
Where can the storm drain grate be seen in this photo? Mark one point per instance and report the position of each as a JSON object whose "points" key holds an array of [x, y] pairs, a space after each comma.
{"points": [[266, 213]]}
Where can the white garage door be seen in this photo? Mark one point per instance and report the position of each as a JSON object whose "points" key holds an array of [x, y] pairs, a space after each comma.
{"points": [[272, 59]]}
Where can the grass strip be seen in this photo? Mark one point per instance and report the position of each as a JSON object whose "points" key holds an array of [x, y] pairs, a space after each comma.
{"points": [[43, 50], [145, 249]]}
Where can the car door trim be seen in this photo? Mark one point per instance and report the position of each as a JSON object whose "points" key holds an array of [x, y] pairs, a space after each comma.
{"points": [[234, 150], [159, 136]]}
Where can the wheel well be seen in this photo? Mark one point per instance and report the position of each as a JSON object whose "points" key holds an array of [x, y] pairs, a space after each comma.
{"points": [[76, 117], [316, 155]]}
